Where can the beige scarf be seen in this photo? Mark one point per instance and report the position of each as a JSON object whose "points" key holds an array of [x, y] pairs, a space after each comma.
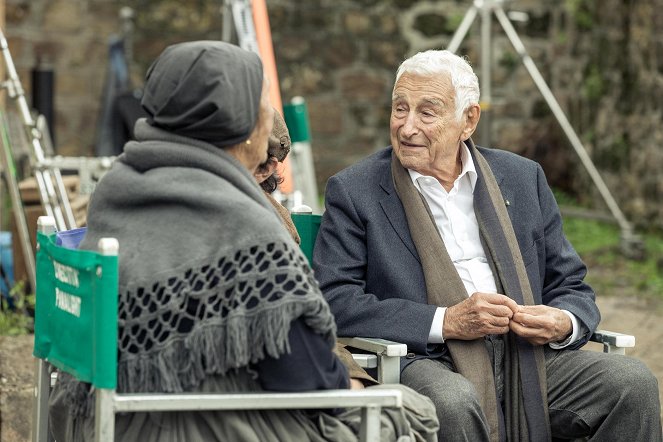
{"points": [[526, 414]]}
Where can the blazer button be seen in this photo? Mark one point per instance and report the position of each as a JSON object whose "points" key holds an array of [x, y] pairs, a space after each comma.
{"points": [[410, 355]]}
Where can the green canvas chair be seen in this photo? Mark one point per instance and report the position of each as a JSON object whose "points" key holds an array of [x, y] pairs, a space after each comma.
{"points": [[76, 331], [388, 353]]}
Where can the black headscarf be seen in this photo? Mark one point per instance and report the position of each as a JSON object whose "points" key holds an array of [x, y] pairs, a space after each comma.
{"points": [[208, 90]]}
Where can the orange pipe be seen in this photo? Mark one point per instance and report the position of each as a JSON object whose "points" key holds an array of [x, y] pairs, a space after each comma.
{"points": [[266, 48]]}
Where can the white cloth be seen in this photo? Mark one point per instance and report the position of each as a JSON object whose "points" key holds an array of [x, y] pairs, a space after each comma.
{"points": [[454, 216]]}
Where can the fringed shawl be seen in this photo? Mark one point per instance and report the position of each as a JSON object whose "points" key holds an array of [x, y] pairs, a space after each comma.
{"points": [[209, 278], [526, 413]]}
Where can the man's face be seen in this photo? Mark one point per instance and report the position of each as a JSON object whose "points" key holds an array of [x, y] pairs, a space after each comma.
{"points": [[423, 125]]}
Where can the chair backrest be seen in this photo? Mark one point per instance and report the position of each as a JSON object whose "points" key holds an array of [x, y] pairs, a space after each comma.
{"points": [[307, 225], [76, 302]]}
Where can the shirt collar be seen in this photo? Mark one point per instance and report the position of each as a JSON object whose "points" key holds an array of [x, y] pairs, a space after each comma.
{"points": [[468, 169]]}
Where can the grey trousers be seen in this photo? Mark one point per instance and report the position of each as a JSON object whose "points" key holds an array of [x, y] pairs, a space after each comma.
{"points": [[596, 395]]}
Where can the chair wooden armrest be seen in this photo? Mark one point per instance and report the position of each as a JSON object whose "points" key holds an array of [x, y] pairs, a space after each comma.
{"points": [[613, 342], [388, 354]]}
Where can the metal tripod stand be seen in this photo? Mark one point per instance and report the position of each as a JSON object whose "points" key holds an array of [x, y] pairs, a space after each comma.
{"points": [[630, 242]]}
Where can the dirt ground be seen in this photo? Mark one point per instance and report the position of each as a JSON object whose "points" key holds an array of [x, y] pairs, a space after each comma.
{"points": [[639, 317]]}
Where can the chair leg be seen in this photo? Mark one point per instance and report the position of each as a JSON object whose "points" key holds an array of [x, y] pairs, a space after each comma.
{"points": [[370, 424], [104, 418], [42, 391], [389, 370], [613, 349]]}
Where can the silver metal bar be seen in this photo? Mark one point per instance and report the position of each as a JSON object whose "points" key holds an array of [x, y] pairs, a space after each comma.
{"points": [[257, 401], [127, 15], [463, 28], [104, 416], [226, 31], [89, 169], [43, 197], [486, 80], [389, 370], [369, 431], [378, 346], [389, 355], [556, 109], [246, 34], [365, 360], [60, 190], [49, 198], [613, 342], [45, 225], [40, 402]]}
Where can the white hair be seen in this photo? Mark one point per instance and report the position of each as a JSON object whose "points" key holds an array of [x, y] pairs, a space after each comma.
{"points": [[435, 62]]}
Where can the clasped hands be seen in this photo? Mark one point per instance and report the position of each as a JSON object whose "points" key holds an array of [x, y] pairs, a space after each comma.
{"points": [[492, 313]]}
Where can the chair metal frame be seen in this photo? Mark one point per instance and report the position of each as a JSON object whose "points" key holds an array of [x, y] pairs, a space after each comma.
{"points": [[109, 402]]}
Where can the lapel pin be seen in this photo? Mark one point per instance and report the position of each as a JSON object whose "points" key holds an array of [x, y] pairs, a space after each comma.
{"points": [[506, 202]]}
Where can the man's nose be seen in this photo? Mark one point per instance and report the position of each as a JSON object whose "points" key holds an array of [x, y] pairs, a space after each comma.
{"points": [[410, 125]]}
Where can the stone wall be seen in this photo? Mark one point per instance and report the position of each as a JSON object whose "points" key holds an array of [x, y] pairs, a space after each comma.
{"points": [[602, 60]]}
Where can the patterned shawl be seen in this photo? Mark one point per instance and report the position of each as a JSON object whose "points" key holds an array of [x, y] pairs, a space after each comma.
{"points": [[526, 411], [209, 278]]}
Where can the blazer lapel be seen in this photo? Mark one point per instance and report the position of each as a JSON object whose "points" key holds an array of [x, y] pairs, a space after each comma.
{"points": [[393, 210], [499, 177]]}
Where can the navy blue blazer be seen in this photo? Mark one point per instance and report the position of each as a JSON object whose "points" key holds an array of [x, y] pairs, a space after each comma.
{"points": [[370, 273]]}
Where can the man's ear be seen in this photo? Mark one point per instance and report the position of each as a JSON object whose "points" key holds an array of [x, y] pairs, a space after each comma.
{"points": [[266, 169], [471, 120]]}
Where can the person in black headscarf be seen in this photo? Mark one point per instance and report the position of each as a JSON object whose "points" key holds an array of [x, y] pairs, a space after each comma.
{"points": [[213, 291]]}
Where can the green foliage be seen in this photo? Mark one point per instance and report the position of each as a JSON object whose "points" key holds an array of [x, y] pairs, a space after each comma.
{"points": [[431, 25], [563, 198], [17, 321], [453, 22], [594, 86], [508, 61], [617, 156], [5, 207], [610, 272], [581, 13], [562, 38]]}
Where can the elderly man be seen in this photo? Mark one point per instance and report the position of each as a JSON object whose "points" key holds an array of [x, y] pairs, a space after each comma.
{"points": [[458, 251]]}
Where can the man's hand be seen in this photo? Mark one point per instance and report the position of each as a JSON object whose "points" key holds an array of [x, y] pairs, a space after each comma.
{"points": [[356, 384], [540, 324], [479, 315]]}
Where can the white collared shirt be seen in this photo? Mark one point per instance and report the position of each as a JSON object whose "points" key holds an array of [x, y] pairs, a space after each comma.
{"points": [[456, 222]]}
